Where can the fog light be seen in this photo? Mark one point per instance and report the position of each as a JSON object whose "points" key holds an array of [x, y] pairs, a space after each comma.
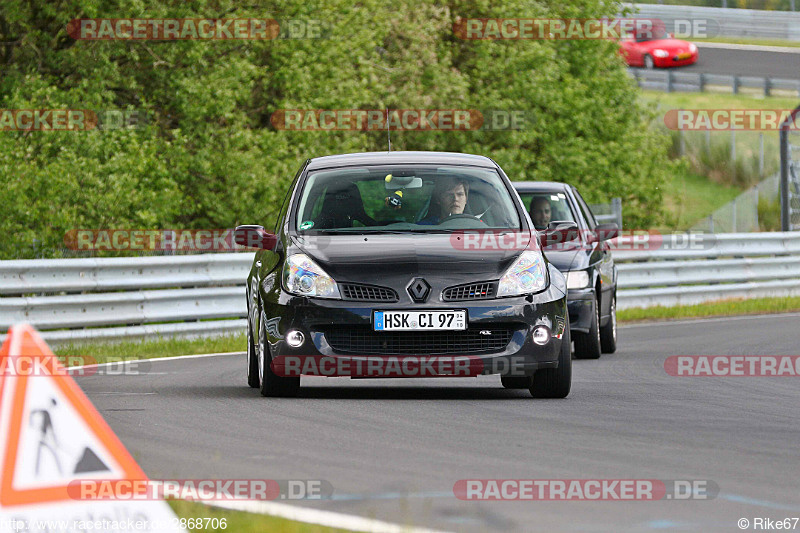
{"points": [[295, 338], [541, 334]]}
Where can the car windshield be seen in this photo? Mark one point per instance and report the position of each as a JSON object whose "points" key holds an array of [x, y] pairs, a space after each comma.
{"points": [[654, 35], [405, 198], [546, 207]]}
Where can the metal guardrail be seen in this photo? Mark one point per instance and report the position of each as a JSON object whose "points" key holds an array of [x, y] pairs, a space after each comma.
{"points": [[727, 22], [681, 271], [75, 300], [668, 80]]}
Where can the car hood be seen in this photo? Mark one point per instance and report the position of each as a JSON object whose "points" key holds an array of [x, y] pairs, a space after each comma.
{"points": [[672, 46], [395, 259], [573, 258]]}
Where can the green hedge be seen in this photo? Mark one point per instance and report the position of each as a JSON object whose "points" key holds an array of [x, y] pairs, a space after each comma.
{"points": [[204, 154]]}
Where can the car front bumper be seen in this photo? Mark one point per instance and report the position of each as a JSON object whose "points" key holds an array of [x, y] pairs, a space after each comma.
{"points": [[580, 303], [343, 330]]}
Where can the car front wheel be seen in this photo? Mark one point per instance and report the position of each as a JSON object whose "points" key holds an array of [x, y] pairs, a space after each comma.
{"points": [[608, 333], [587, 345], [252, 360], [271, 383], [556, 382], [649, 64]]}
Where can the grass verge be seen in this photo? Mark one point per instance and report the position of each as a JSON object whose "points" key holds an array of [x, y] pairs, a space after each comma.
{"points": [[160, 347], [242, 522], [729, 307], [689, 197], [744, 40]]}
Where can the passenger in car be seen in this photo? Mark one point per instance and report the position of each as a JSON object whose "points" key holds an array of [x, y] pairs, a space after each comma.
{"points": [[541, 212]]}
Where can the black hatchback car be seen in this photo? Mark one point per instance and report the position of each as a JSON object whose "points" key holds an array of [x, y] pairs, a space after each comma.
{"points": [[404, 264], [586, 261]]}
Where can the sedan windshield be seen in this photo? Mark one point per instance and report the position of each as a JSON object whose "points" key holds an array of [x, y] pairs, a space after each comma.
{"points": [[405, 198]]}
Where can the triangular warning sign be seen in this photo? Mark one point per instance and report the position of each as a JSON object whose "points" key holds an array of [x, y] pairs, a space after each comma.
{"points": [[50, 423], [51, 435]]}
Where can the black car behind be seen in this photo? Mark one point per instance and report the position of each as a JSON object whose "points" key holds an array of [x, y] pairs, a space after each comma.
{"points": [[586, 262]]}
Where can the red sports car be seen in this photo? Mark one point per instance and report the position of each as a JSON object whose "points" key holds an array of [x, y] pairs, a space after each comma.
{"points": [[658, 49]]}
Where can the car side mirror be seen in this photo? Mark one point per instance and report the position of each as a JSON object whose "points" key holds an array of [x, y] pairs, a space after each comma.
{"points": [[605, 232], [252, 236], [559, 231]]}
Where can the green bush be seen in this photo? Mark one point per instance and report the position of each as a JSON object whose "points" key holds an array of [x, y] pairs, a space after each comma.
{"points": [[207, 156]]}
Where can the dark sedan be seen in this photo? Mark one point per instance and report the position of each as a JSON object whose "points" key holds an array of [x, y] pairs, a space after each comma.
{"points": [[404, 264], [586, 261]]}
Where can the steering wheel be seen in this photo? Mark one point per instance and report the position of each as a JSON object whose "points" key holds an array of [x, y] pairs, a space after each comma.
{"points": [[461, 216], [457, 216]]}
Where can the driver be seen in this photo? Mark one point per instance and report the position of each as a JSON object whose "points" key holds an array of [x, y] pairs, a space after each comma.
{"points": [[541, 212], [449, 198]]}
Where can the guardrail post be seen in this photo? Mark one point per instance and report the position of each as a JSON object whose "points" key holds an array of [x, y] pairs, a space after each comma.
{"points": [[733, 154], [702, 82], [735, 84], [669, 81], [616, 207], [767, 86]]}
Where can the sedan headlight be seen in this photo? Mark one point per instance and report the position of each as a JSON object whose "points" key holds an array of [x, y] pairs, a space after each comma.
{"points": [[660, 53], [525, 276], [304, 277], [577, 279], [692, 48]]}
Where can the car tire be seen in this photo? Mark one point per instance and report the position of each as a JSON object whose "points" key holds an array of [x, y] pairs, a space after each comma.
{"points": [[587, 345], [556, 382], [272, 385], [252, 360], [649, 64], [608, 333], [517, 382]]}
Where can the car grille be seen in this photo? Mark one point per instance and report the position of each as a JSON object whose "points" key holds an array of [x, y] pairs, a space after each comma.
{"points": [[367, 293], [471, 291], [368, 342]]}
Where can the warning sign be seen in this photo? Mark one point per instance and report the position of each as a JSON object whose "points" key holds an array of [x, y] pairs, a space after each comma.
{"points": [[51, 436]]}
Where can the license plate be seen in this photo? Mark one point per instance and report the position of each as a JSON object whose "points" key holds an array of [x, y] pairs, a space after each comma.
{"points": [[684, 56], [420, 320]]}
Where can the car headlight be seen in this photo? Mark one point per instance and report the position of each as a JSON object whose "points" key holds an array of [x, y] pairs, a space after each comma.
{"points": [[692, 48], [304, 277], [525, 276], [577, 279], [660, 53]]}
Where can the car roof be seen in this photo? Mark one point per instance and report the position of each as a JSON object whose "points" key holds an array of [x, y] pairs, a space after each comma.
{"points": [[381, 158], [539, 186]]}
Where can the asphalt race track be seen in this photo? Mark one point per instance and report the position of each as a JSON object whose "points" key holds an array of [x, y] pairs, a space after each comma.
{"points": [[393, 449], [783, 65]]}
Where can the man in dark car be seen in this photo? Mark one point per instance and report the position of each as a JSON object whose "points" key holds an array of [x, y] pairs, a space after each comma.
{"points": [[449, 198], [541, 212]]}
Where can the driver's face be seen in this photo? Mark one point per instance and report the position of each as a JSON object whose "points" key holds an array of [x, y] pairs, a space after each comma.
{"points": [[453, 200], [541, 213]]}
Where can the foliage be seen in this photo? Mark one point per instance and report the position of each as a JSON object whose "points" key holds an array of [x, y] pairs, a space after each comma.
{"points": [[204, 154]]}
